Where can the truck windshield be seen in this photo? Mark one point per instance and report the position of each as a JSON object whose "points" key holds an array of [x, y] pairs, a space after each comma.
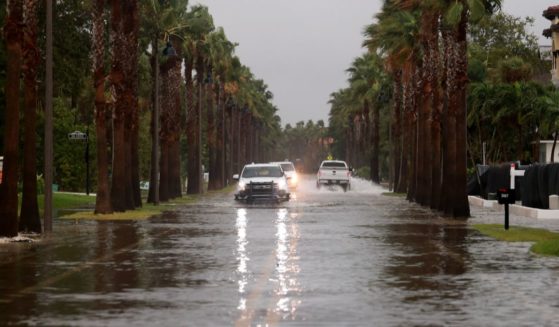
{"points": [[271, 171], [287, 167], [333, 165]]}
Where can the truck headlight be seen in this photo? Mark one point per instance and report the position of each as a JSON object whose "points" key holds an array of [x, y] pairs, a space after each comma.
{"points": [[241, 186], [294, 178], [282, 185]]}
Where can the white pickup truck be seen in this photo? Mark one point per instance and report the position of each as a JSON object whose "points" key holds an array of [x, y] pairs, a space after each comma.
{"points": [[334, 172]]}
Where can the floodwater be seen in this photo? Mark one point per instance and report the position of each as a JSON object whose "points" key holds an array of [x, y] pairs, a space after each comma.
{"points": [[324, 258]]}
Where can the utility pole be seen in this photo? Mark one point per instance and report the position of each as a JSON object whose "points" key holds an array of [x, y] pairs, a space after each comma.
{"points": [[156, 108]]}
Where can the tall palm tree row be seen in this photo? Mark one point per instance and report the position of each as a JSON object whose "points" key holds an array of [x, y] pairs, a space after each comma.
{"points": [[421, 46], [172, 35]]}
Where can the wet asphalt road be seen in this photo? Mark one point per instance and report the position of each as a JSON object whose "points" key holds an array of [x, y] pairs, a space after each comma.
{"points": [[324, 258]]}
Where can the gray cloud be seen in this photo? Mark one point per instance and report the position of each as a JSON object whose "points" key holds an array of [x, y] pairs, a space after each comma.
{"points": [[301, 48]]}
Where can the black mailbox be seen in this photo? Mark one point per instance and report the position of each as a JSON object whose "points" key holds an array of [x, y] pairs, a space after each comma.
{"points": [[505, 196]]}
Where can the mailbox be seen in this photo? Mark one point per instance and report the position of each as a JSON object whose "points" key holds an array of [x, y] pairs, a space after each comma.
{"points": [[506, 196]]}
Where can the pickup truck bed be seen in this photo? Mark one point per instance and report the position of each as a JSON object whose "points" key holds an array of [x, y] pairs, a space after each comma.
{"points": [[334, 173]]}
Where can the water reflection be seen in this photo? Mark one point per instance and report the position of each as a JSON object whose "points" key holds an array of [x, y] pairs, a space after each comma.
{"points": [[429, 254], [281, 270], [287, 267], [242, 257]]}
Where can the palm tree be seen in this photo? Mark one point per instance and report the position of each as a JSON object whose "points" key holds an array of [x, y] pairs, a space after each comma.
{"points": [[131, 30], [195, 58], [170, 70], [103, 198], [167, 22], [365, 75], [29, 218], [459, 15], [123, 76], [8, 191], [221, 56], [395, 36]]}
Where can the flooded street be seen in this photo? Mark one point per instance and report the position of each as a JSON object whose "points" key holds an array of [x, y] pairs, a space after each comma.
{"points": [[324, 258]]}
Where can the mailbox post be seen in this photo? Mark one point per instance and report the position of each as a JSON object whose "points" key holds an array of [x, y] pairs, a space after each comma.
{"points": [[506, 196]]}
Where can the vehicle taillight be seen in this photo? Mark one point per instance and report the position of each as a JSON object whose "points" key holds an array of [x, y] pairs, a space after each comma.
{"points": [[319, 173], [348, 174]]}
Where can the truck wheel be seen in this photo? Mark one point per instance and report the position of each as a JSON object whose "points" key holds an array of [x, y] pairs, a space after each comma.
{"points": [[344, 187]]}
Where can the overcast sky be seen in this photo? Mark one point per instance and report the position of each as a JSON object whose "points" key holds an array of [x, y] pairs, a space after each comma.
{"points": [[301, 48]]}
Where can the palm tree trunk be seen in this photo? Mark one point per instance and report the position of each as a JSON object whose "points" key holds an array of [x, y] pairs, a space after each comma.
{"points": [[449, 163], [175, 189], [175, 166], [192, 132], [229, 143], [29, 218], [240, 159], [200, 72], [436, 167], [165, 133], [119, 172], [130, 30], [406, 145], [461, 206], [153, 193], [8, 188], [244, 138], [375, 136], [103, 198], [396, 128], [429, 41], [220, 133], [212, 138]]}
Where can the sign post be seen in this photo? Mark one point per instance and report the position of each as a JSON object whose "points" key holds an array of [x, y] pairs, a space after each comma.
{"points": [[80, 136], [507, 196]]}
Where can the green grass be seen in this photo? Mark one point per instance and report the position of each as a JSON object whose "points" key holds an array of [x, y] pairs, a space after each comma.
{"points": [[546, 242], [399, 195], [143, 213], [63, 201], [69, 201]]}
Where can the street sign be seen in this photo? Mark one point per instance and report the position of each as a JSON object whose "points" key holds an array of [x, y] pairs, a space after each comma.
{"points": [[77, 136]]}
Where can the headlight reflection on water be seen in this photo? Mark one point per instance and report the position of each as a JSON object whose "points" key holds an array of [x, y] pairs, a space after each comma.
{"points": [[242, 257], [287, 268]]}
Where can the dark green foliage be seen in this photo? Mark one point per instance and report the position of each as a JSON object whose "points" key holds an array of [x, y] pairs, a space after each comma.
{"points": [[503, 36], [305, 142], [477, 71], [69, 156]]}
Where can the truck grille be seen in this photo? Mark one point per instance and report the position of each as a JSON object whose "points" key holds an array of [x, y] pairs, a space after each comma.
{"points": [[262, 188]]}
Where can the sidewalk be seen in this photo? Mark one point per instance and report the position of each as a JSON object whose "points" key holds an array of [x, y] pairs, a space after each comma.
{"points": [[490, 212]]}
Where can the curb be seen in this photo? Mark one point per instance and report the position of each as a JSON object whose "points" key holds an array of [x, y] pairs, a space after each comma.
{"points": [[515, 209]]}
